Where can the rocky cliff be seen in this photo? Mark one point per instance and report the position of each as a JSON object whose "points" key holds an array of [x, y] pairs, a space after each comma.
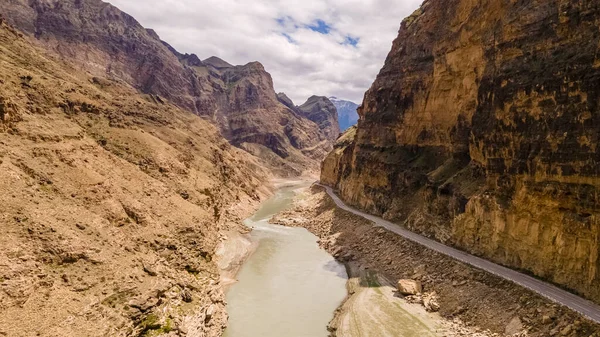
{"points": [[481, 131], [99, 38], [253, 119]]}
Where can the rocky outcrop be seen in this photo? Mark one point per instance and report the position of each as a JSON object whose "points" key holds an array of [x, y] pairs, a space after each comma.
{"points": [[480, 131], [347, 114], [320, 110], [336, 160], [106, 42]]}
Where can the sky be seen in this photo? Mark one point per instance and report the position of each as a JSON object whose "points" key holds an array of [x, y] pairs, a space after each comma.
{"points": [[310, 47]]}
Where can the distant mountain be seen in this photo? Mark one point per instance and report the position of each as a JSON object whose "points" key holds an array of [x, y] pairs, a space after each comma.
{"points": [[346, 112], [322, 111]]}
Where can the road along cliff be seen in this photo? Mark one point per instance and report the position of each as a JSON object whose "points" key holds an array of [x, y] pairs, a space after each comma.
{"points": [[480, 132]]}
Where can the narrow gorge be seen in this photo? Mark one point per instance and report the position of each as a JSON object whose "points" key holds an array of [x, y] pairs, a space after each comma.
{"points": [[149, 191]]}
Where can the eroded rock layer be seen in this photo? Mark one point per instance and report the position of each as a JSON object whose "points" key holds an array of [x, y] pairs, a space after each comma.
{"points": [[481, 131]]}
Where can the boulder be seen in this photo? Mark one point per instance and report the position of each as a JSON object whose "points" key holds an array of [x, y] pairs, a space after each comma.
{"points": [[409, 287], [144, 304], [209, 313], [546, 319]]}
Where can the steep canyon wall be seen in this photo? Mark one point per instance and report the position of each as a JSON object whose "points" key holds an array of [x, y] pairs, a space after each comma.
{"points": [[481, 131]]}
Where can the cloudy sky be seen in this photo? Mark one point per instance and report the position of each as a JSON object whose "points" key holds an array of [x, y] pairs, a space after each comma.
{"points": [[322, 47]]}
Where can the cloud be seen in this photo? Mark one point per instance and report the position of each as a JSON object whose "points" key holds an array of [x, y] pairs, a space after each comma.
{"points": [[324, 47]]}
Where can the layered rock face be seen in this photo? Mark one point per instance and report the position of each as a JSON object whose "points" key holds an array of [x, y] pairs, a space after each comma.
{"points": [[101, 39], [104, 41], [481, 131]]}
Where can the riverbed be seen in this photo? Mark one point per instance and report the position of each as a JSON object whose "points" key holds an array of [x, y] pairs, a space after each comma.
{"points": [[288, 286]]}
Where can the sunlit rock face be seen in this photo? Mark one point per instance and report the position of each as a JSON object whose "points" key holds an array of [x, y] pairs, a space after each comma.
{"points": [[481, 131]]}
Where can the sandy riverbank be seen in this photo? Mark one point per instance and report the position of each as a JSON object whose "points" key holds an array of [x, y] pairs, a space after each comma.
{"points": [[231, 253], [471, 301], [374, 308]]}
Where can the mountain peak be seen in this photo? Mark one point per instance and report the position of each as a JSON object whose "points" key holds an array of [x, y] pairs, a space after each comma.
{"points": [[255, 65], [315, 98], [217, 63]]}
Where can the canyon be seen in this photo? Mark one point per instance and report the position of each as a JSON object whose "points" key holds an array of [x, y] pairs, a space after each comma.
{"points": [[112, 204], [126, 163], [129, 168]]}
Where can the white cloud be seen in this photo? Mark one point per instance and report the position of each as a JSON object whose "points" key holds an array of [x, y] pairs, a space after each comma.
{"points": [[302, 62]]}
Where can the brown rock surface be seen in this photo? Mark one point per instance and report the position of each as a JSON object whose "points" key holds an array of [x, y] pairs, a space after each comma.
{"points": [[112, 204], [481, 131], [256, 121]]}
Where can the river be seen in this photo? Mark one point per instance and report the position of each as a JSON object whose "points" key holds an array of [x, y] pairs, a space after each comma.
{"points": [[288, 286]]}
